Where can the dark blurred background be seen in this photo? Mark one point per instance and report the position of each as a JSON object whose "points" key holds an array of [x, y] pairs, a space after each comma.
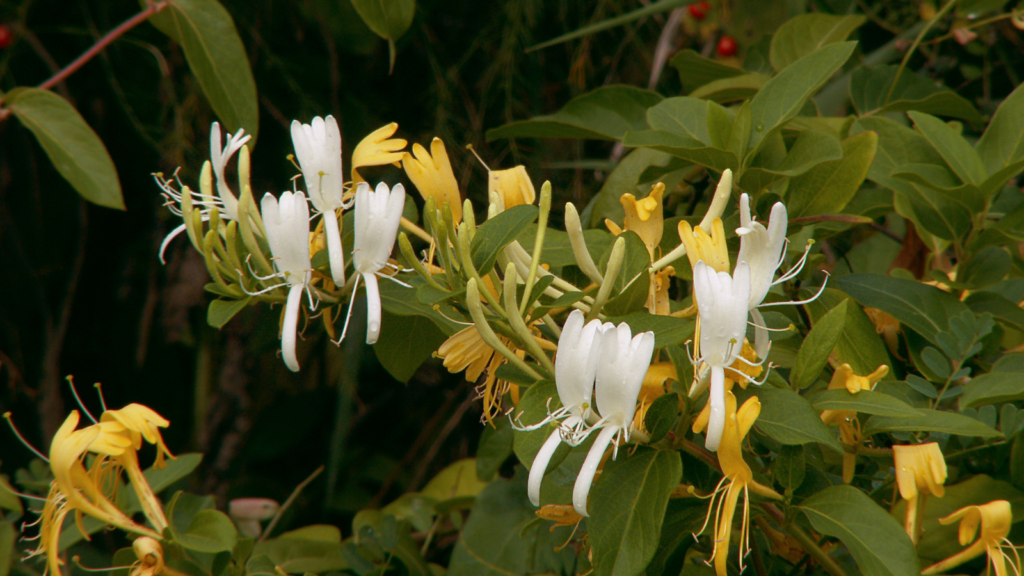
{"points": [[83, 293]]}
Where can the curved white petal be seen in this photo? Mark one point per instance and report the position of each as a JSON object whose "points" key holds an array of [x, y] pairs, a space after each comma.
{"points": [[761, 340], [581, 490], [372, 307], [335, 252], [540, 465], [289, 327], [716, 424]]}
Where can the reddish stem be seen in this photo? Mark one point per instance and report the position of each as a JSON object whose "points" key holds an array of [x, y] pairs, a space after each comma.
{"points": [[103, 43]]}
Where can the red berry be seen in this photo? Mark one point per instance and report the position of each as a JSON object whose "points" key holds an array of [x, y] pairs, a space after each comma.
{"points": [[6, 36], [699, 10], [726, 46]]}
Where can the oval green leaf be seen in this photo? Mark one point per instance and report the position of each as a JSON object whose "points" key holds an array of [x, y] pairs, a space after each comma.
{"points": [[75, 150], [865, 401]]}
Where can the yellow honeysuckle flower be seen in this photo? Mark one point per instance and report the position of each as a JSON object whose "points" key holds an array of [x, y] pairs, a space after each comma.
{"points": [[995, 519], [645, 217], [657, 299], [150, 557], [432, 175], [700, 245], [920, 470], [74, 488], [142, 422], [562, 514], [512, 186], [887, 326], [849, 425], [741, 479], [377, 149]]}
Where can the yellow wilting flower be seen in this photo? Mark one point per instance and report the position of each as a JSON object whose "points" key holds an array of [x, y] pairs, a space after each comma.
{"points": [[142, 422], [432, 175], [710, 248], [920, 470], [995, 519], [849, 425], [887, 326], [741, 479], [645, 217], [658, 301], [377, 149]]}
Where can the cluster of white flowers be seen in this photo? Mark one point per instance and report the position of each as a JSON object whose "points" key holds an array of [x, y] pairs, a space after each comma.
{"points": [[724, 302], [287, 221], [596, 361]]}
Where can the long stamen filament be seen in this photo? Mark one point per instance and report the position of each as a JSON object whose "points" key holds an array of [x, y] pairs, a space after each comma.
{"points": [[10, 422]]}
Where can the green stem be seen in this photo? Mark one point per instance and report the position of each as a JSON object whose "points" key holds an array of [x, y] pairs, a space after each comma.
{"points": [[517, 323], [610, 274], [476, 311]]}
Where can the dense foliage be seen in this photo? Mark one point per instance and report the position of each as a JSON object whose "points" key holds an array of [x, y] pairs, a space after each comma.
{"points": [[771, 324]]}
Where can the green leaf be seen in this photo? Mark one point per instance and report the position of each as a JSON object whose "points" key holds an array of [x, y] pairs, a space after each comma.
{"points": [[502, 536], [788, 418], [222, 311], [215, 53], [996, 305], [406, 342], [388, 19], [993, 388], [870, 88], [75, 150], [923, 308], [875, 539], [804, 34], [988, 267], [939, 541], [957, 153], [632, 298], [494, 448], [557, 251], [662, 415], [865, 401], [668, 330], [314, 549], [8, 550], [1002, 144], [9, 499], [817, 346], [828, 187], [860, 346], [195, 525], [931, 421], [696, 70], [731, 89], [682, 147], [498, 232], [603, 114], [785, 94], [627, 508], [789, 467]]}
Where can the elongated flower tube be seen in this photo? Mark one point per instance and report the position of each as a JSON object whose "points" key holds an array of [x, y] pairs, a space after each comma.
{"points": [[378, 214], [995, 520], [722, 305], [621, 367], [287, 224], [225, 201], [920, 471], [318, 149], [849, 426], [763, 249], [579, 352]]}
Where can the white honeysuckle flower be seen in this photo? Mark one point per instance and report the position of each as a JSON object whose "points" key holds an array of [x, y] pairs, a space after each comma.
{"points": [[225, 201], [579, 350], [621, 366], [763, 249], [287, 225], [318, 150], [219, 158], [378, 215], [722, 305]]}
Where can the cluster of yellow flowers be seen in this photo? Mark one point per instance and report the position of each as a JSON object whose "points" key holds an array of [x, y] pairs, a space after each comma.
{"points": [[87, 465]]}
